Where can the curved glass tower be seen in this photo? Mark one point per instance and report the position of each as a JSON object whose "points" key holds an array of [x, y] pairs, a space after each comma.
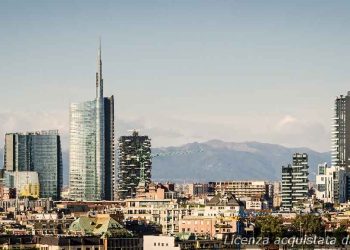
{"points": [[92, 145]]}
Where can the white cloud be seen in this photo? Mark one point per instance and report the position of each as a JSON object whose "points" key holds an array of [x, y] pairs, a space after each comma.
{"points": [[11, 122], [172, 130], [288, 119]]}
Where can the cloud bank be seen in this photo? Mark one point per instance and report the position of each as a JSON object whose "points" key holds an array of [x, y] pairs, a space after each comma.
{"points": [[176, 130]]}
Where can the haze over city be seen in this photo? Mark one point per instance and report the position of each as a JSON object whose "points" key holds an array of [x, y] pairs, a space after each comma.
{"points": [[180, 71]]}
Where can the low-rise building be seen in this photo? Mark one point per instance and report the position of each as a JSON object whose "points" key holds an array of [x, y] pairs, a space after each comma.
{"points": [[223, 205], [208, 227], [242, 189], [165, 212], [151, 242], [102, 225]]}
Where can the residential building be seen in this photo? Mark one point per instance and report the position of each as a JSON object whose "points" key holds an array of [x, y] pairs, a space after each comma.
{"points": [[61, 242], [198, 189], [134, 164], [102, 225], [151, 242], [208, 226], [92, 157], [341, 144], [277, 196], [165, 212], [341, 132], [255, 204], [295, 182], [156, 191], [70, 242], [218, 218], [223, 205], [330, 184], [242, 189], [40, 152]]}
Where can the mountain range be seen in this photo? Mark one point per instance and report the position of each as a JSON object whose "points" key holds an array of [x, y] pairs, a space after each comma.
{"points": [[218, 160]]}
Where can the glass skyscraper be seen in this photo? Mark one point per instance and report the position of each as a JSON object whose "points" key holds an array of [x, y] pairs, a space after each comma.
{"points": [[92, 145], [40, 152]]}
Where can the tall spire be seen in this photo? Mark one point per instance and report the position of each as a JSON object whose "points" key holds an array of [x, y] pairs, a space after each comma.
{"points": [[99, 79]]}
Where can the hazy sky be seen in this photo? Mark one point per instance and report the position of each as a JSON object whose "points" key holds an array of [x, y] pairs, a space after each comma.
{"points": [[181, 71]]}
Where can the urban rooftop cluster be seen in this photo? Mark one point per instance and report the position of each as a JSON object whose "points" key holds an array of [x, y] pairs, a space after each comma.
{"points": [[112, 202]]}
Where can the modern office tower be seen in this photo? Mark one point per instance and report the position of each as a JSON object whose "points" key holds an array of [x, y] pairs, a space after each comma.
{"points": [[40, 152], [16, 155], [109, 148], [134, 164], [92, 157], [330, 184], [295, 182]]}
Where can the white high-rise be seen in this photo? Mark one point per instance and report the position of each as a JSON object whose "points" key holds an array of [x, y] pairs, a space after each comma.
{"points": [[339, 190], [330, 184]]}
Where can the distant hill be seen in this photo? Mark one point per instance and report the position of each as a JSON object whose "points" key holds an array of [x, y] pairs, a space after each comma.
{"points": [[229, 160], [222, 161]]}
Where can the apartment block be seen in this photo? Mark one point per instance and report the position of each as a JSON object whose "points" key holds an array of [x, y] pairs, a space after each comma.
{"points": [[295, 182]]}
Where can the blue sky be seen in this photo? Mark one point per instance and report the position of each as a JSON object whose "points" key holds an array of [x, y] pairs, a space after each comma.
{"points": [[181, 71]]}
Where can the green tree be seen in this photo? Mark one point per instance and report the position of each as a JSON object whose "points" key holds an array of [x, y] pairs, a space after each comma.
{"points": [[308, 224], [340, 233], [269, 226]]}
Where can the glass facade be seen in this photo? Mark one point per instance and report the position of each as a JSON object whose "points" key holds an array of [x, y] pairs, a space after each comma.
{"points": [[82, 158], [100, 150], [92, 155], [92, 146], [46, 159], [40, 152], [109, 148]]}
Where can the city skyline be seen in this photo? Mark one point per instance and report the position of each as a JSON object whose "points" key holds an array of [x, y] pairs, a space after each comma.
{"points": [[194, 75], [199, 125]]}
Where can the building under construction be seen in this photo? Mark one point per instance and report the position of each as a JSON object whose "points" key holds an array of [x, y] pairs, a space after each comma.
{"points": [[134, 165]]}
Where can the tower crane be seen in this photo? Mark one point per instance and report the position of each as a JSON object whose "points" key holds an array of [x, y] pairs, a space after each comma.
{"points": [[142, 158]]}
